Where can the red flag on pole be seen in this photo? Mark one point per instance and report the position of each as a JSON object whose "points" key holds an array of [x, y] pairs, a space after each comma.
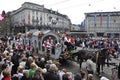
{"points": [[2, 18]]}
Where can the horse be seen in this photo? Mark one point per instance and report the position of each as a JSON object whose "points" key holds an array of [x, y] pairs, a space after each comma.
{"points": [[98, 56]]}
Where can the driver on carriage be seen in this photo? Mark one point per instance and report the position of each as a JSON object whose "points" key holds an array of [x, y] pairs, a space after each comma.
{"points": [[69, 42]]}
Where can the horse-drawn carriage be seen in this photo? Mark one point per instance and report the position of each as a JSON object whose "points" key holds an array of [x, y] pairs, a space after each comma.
{"points": [[38, 40]]}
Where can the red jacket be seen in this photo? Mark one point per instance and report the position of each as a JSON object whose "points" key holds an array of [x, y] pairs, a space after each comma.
{"points": [[6, 78]]}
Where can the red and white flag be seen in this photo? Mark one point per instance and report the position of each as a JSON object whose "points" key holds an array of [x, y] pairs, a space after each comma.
{"points": [[2, 18]]}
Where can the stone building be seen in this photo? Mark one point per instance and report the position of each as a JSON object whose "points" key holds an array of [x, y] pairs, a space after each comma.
{"points": [[35, 16], [103, 24]]}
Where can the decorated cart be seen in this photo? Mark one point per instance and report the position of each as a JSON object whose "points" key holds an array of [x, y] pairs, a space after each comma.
{"points": [[42, 42]]}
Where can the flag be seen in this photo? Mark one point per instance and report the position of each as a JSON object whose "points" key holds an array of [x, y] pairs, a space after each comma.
{"points": [[28, 18], [82, 25], [100, 19], [108, 21], [2, 18], [86, 21], [40, 19], [95, 20]]}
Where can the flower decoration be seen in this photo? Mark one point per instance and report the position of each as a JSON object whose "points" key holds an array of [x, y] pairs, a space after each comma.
{"points": [[58, 33], [40, 34], [19, 34], [29, 34]]}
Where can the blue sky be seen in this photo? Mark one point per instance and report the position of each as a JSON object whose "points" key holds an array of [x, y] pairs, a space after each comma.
{"points": [[75, 9]]}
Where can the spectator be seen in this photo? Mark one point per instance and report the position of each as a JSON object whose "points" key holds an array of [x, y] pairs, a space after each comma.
{"points": [[83, 75], [32, 70], [77, 77], [25, 75], [23, 62], [6, 75], [20, 72], [1, 74], [65, 77], [61, 73], [28, 62], [52, 73], [119, 71], [41, 63], [90, 77], [38, 74], [49, 62]]}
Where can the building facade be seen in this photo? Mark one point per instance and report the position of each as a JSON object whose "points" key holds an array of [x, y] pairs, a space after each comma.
{"points": [[36, 16], [103, 24]]}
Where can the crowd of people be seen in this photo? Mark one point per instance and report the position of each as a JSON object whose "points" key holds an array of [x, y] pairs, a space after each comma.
{"points": [[18, 64], [112, 44]]}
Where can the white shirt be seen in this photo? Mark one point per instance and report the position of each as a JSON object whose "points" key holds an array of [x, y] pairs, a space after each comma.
{"points": [[90, 65], [61, 73], [104, 78], [1, 76]]}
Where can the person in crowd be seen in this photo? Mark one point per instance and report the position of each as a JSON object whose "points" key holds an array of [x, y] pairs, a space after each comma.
{"points": [[32, 70], [6, 75], [51, 74], [15, 60], [77, 42], [83, 75], [65, 77], [9, 63], [119, 71], [28, 62], [38, 74], [61, 73], [1, 72], [23, 62], [90, 77], [41, 63], [20, 72], [25, 75], [77, 77], [47, 65], [83, 44]]}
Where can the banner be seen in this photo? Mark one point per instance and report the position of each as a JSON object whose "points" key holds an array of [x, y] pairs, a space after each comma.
{"points": [[108, 21], [94, 20], [29, 18], [40, 19], [100, 19]]}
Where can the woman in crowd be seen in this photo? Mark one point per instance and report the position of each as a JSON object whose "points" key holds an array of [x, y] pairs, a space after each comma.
{"points": [[38, 74], [6, 75]]}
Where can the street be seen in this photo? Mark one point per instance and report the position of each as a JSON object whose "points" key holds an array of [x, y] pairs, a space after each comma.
{"points": [[107, 72]]}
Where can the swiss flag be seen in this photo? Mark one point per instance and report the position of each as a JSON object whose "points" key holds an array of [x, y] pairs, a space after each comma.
{"points": [[2, 18]]}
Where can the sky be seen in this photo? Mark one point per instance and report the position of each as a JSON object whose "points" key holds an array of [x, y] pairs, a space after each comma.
{"points": [[74, 9]]}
